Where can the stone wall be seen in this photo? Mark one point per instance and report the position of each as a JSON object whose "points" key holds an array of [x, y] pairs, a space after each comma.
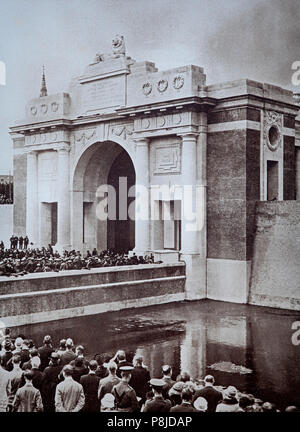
{"points": [[275, 279], [50, 296], [226, 200]]}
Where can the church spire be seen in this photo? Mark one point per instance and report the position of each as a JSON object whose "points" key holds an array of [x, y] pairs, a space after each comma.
{"points": [[43, 87]]}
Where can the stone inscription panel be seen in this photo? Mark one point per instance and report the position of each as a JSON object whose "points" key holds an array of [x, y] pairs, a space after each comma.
{"points": [[104, 93], [167, 159]]}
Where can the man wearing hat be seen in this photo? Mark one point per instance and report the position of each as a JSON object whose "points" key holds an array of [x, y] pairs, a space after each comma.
{"points": [[229, 402], [6, 355], [50, 382], [200, 404], [167, 378], [158, 403], [124, 394], [108, 403], [45, 352], [212, 395]]}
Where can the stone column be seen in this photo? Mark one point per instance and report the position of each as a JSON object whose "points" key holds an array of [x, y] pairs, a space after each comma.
{"points": [[63, 201], [142, 210], [297, 173], [32, 208], [193, 232], [189, 237]]}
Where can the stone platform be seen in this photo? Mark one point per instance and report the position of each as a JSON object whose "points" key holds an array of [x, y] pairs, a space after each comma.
{"points": [[42, 297]]}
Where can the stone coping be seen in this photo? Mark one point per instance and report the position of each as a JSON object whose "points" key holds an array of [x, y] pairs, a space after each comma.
{"points": [[91, 287], [96, 270]]}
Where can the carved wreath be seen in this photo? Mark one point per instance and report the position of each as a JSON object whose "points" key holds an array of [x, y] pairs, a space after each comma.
{"points": [[162, 85], [147, 88], [273, 130], [178, 82]]}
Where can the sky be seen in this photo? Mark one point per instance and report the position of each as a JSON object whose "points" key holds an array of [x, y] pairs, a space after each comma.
{"points": [[230, 39]]}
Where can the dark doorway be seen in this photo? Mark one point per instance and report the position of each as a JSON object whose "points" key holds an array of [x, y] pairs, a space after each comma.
{"points": [[120, 232], [272, 180]]}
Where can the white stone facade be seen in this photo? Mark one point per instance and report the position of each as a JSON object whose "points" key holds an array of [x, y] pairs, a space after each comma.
{"points": [[160, 119]]}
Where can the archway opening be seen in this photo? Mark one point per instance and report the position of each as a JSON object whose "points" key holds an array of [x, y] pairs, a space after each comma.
{"points": [[102, 165], [120, 232]]}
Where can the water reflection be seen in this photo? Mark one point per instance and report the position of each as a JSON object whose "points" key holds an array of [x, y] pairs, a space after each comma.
{"points": [[192, 337]]}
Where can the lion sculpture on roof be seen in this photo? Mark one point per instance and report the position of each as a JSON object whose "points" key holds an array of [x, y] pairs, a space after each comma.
{"points": [[118, 45], [118, 49]]}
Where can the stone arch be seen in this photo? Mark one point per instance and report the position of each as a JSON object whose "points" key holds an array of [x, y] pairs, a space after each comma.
{"points": [[91, 170]]}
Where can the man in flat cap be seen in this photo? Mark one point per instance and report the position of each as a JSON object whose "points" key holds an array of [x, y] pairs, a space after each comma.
{"points": [[158, 403], [124, 394]]}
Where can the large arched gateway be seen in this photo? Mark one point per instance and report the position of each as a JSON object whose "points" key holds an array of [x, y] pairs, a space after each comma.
{"points": [[193, 151], [104, 174]]}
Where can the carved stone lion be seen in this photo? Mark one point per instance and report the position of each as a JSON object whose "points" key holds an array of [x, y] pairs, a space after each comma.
{"points": [[118, 49], [118, 45]]}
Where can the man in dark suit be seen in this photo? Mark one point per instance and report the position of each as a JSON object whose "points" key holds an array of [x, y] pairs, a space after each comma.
{"points": [[140, 378], [209, 393], [45, 352], [20, 242], [50, 381], [120, 359], [26, 241], [186, 405], [90, 384], [79, 369], [157, 403]]}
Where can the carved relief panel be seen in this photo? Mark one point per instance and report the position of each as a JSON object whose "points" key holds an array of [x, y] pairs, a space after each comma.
{"points": [[167, 158]]}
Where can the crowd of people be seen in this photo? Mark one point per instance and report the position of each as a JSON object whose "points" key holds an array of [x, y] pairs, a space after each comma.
{"points": [[6, 191], [44, 378], [19, 260]]}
